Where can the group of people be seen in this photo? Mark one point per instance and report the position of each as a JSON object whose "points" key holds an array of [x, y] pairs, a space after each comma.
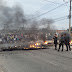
{"points": [[7, 38], [64, 39]]}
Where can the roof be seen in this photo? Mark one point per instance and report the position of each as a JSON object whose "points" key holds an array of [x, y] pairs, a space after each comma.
{"points": [[59, 31]]}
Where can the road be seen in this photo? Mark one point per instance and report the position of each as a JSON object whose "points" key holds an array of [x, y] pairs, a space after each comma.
{"points": [[43, 60]]}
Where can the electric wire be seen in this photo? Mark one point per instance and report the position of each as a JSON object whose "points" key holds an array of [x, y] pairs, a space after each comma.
{"points": [[51, 4], [49, 11]]}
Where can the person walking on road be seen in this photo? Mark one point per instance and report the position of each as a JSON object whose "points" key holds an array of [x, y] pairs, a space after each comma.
{"points": [[55, 41], [61, 42]]}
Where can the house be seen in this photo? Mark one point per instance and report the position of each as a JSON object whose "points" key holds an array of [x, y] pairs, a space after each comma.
{"points": [[60, 31]]}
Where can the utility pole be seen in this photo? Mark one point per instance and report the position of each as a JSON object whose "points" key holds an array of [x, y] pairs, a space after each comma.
{"points": [[70, 18]]}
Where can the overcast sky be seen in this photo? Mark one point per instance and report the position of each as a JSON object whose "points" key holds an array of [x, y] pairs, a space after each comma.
{"points": [[34, 7]]}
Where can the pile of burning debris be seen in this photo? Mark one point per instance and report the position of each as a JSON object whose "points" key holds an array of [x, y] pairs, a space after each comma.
{"points": [[31, 46]]}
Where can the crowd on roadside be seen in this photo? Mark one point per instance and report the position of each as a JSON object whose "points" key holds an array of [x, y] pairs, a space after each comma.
{"points": [[64, 40], [7, 38]]}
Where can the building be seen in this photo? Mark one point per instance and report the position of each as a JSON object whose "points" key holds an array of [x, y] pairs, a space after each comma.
{"points": [[60, 31]]}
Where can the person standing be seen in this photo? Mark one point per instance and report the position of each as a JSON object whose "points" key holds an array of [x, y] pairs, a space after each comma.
{"points": [[61, 42], [66, 41], [55, 41]]}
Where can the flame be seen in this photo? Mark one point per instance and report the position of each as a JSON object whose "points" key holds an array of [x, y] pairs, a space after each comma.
{"points": [[15, 46], [36, 45], [26, 48], [70, 42], [45, 42], [32, 46]]}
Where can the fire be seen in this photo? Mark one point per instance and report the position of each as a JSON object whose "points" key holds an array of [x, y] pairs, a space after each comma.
{"points": [[15, 46], [36, 45], [26, 48], [45, 42], [32, 46], [70, 42]]}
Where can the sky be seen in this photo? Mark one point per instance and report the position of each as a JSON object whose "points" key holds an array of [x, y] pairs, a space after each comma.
{"points": [[38, 7]]}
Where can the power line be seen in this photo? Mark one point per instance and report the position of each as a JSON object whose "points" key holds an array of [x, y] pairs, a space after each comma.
{"points": [[52, 2], [42, 7], [49, 11], [47, 5], [66, 4], [61, 17], [67, 7]]}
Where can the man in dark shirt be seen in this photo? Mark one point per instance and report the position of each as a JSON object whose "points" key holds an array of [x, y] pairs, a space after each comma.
{"points": [[55, 41], [66, 41], [61, 42]]}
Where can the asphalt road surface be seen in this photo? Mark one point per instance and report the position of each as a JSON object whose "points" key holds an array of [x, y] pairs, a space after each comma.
{"points": [[43, 60]]}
